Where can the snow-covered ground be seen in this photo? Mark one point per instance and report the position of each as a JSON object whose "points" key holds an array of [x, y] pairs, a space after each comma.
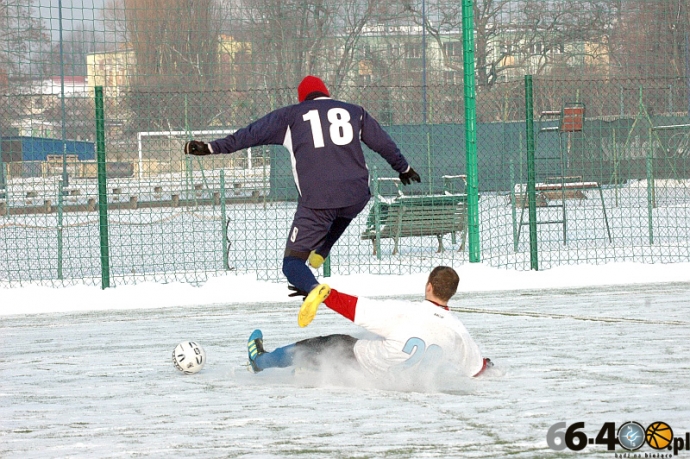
{"points": [[191, 244], [86, 373]]}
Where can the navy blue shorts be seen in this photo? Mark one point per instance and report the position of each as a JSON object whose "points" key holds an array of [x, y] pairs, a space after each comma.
{"points": [[310, 226]]}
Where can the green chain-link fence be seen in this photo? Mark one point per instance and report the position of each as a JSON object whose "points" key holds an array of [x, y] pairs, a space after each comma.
{"points": [[580, 112]]}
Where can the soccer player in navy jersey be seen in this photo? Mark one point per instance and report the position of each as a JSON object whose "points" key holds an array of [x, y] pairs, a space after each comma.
{"points": [[324, 137]]}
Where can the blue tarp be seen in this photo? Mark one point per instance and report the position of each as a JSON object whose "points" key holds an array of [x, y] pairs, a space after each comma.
{"points": [[38, 148]]}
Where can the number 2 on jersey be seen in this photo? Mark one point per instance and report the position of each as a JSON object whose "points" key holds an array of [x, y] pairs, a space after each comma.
{"points": [[340, 129], [418, 351]]}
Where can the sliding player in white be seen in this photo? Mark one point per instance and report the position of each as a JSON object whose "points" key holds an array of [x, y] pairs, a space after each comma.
{"points": [[410, 334]]}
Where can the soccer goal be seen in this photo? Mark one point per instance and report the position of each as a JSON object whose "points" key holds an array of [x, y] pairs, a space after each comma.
{"points": [[150, 144]]}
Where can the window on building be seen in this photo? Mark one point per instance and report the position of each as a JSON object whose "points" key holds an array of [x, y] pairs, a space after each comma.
{"points": [[413, 50], [453, 48]]}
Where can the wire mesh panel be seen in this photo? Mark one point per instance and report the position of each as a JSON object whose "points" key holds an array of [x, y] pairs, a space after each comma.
{"points": [[610, 110], [611, 185], [610, 115]]}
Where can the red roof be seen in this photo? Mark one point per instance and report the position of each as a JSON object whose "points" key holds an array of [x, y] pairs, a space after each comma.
{"points": [[73, 80]]}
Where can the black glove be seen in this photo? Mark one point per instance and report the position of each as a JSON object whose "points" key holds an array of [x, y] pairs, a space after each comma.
{"points": [[297, 292], [194, 147], [410, 176]]}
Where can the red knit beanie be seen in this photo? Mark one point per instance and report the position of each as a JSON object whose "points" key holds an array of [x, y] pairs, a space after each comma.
{"points": [[311, 84]]}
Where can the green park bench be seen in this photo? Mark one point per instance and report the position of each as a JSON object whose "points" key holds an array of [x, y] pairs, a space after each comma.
{"points": [[414, 216]]}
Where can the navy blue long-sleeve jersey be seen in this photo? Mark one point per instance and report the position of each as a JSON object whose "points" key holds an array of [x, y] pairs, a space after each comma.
{"points": [[323, 137]]}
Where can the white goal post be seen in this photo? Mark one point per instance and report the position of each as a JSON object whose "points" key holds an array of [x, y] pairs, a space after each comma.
{"points": [[184, 136]]}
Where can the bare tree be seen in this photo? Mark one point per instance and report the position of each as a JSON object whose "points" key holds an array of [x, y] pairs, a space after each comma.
{"points": [[518, 34], [565, 34], [289, 36], [443, 22], [354, 20], [176, 46], [299, 37], [651, 39], [114, 24], [176, 38], [77, 44], [20, 33]]}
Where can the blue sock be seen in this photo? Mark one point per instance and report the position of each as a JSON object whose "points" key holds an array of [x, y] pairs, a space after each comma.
{"points": [[280, 358], [299, 274]]}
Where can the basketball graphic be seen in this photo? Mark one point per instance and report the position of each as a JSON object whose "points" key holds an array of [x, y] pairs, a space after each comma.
{"points": [[659, 435]]}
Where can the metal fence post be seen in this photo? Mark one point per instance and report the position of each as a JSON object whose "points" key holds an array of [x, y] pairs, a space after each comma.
{"points": [[513, 204], [649, 166], [59, 228], [3, 181], [224, 223], [531, 192], [377, 214], [327, 267], [470, 131], [102, 189]]}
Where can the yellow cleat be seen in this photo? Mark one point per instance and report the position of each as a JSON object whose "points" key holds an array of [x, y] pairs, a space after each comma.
{"points": [[315, 260], [307, 311]]}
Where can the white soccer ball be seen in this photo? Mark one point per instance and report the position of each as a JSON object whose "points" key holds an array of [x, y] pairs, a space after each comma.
{"points": [[189, 357]]}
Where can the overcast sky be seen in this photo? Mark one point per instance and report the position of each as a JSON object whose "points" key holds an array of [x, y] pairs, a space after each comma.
{"points": [[75, 13]]}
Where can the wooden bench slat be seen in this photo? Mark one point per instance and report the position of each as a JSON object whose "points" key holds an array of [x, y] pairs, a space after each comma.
{"points": [[566, 186], [408, 216]]}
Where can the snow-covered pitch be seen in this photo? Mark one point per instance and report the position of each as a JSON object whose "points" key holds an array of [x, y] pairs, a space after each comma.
{"points": [[99, 383]]}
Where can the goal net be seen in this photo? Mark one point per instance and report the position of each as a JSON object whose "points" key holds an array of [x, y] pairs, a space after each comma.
{"points": [[158, 148]]}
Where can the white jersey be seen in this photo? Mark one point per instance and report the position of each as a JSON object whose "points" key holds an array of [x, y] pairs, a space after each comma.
{"points": [[410, 332]]}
